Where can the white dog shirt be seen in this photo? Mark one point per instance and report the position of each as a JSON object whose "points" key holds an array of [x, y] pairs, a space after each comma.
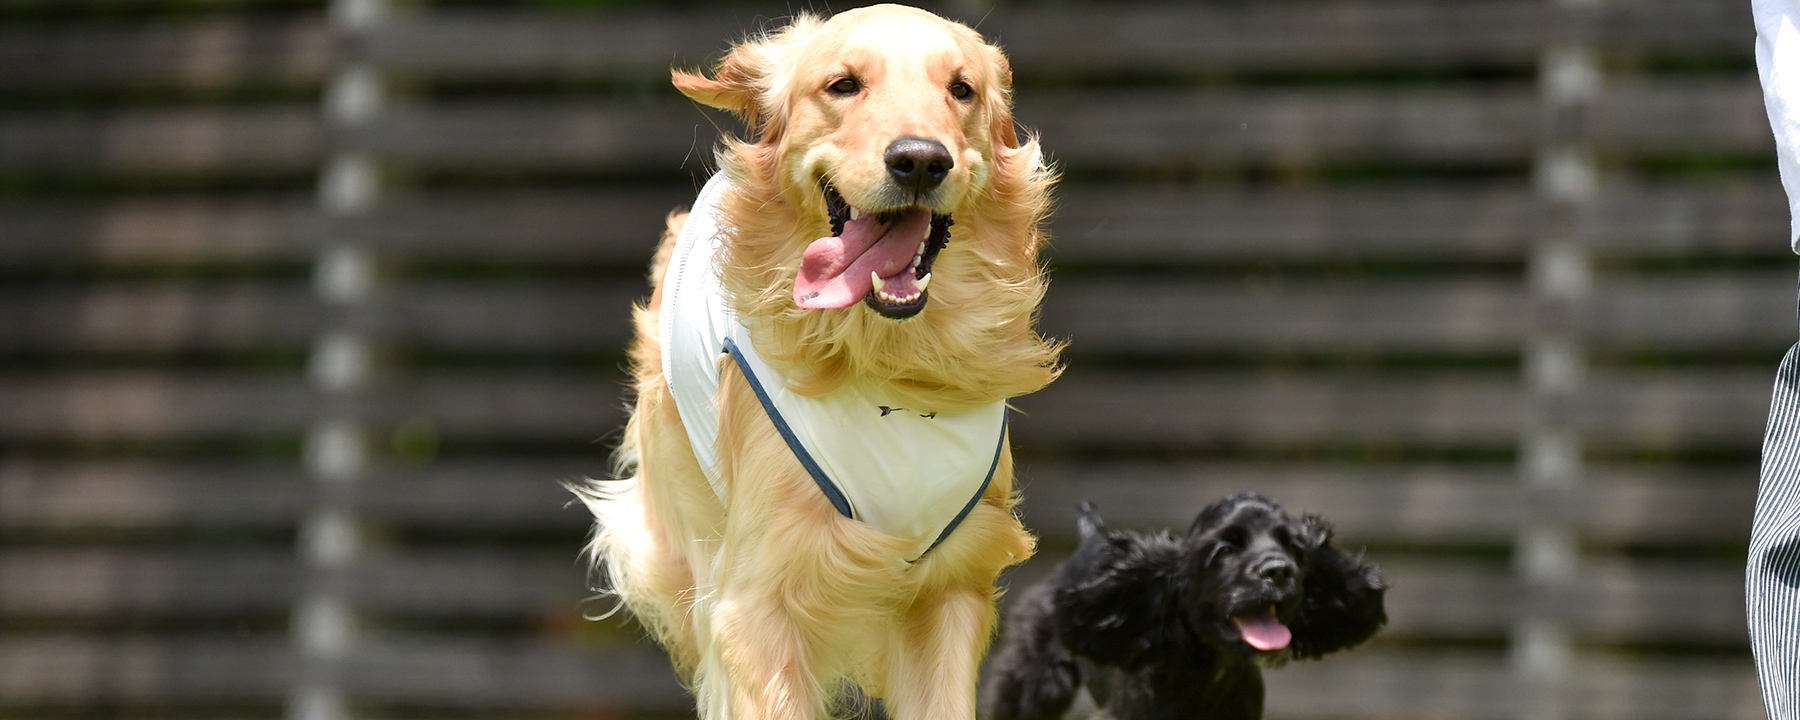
{"points": [[908, 472]]}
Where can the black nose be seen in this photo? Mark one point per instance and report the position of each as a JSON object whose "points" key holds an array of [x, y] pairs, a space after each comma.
{"points": [[918, 164], [1278, 572]]}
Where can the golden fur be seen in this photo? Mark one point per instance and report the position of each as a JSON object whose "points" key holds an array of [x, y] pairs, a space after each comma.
{"points": [[768, 598]]}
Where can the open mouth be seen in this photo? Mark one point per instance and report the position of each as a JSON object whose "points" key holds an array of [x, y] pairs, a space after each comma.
{"points": [[881, 257], [1261, 629]]}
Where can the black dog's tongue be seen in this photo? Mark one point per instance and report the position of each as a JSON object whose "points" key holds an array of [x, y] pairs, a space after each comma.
{"points": [[1263, 631]]}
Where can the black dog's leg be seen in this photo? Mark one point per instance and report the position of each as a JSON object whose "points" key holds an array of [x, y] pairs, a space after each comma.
{"points": [[1034, 676]]}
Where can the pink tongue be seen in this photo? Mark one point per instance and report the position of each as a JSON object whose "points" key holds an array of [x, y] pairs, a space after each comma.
{"points": [[1264, 632], [834, 271]]}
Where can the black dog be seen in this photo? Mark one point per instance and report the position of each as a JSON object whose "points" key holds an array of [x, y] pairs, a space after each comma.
{"points": [[1162, 627]]}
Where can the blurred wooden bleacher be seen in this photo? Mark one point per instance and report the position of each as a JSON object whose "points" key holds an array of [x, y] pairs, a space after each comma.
{"points": [[1316, 248]]}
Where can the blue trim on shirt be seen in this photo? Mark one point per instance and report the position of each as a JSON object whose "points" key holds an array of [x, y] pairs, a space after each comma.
{"points": [[998, 448], [824, 482], [787, 435]]}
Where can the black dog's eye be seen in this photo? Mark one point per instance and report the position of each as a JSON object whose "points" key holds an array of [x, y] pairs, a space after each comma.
{"points": [[961, 90], [845, 86], [1223, 549]]}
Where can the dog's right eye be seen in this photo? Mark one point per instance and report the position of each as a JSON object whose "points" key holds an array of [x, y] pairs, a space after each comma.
{"points": [[845, 86]]}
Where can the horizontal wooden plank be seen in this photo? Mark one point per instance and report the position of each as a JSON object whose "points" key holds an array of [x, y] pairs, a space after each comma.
{"points": [[1700, 117], [485, 674], [1287, 410], [64, 671], [1125, 223], [149, 405], [98, 582], [667, 135], [1102, 314], [1092, 130], [1676, 312], [1083, 40], [1640, 410], [1131, 129], [162, 230], [1389, 683], [1470, 314], [139, 5], [607, 225], [1405, 503], [1095, 224], [140, 496], [1303, 128], [68, 671], [51, 670], [1609, 600], [275, 139], [171, 316], [1082, 130], [1045, 42], [1330, 37], [113, 583], [174, 316], [1114, 129], [127, 495], [211, 52]]}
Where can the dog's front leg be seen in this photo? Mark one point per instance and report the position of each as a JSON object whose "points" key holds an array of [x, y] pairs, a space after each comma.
{"points": [[939, 655], [769, 665]]}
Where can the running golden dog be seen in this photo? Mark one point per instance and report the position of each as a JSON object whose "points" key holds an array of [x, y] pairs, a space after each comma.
{"points": [[815, 484]]}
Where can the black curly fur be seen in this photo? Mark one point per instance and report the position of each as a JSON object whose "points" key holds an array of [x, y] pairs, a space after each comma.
{"points": [[1144, 621]]}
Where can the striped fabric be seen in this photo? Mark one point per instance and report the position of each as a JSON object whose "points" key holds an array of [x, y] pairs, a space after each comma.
{"points": [[1773, 577]]}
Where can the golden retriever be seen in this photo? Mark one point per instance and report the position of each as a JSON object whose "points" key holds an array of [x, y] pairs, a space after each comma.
{"points": [[878, 235]]}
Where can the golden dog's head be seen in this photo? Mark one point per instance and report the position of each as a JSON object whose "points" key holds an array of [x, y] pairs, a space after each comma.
{"points": [[885, 169]]}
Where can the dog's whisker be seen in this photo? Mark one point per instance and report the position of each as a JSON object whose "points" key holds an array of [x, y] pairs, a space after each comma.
{"points": [[618, 604]]}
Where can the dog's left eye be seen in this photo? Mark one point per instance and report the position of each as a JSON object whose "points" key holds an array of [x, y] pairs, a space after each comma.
{"points": [[845, 86], [961, 90]]}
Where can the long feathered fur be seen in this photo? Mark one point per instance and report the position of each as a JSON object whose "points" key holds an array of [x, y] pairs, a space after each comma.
{"points": [[983, 351], [766, 598]]}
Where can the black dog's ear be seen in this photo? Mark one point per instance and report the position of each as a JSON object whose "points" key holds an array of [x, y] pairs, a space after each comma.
{"points": [[1110, 597], [1342, 604]]}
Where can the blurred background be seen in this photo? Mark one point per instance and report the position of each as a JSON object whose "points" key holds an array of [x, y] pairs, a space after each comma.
{"points": [[306, 308]]}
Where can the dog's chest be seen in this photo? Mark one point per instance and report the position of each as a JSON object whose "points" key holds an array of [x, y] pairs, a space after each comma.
{"points": [[908, 472]]}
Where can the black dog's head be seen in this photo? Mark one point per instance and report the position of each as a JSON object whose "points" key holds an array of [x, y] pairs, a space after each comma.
{"points": [[1247, 580]]}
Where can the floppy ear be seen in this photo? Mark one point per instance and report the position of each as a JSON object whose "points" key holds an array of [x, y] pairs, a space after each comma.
{"points": [[732, 86], [1342, 603], [749, 74], [1111, 596]]}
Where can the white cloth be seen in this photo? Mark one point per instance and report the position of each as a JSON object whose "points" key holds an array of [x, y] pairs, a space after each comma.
{"points": [[1778, 65], [908, 472]]}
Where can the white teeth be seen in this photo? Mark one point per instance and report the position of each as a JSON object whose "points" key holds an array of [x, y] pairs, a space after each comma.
{"points": [[855, 213], [881, 292]]}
